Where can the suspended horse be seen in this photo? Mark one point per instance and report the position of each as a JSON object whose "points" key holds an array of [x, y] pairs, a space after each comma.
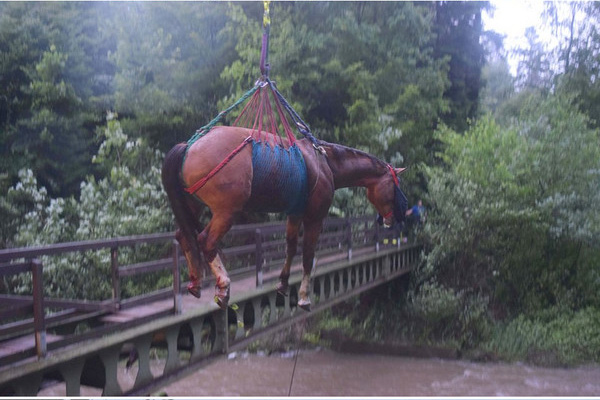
{"points": [[258, 165], [260, 175]]}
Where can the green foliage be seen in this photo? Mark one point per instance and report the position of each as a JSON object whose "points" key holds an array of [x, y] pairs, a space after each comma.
{"points": [[129, 200], [168, 57], [514, 210], [52, 68], [557, 337]]}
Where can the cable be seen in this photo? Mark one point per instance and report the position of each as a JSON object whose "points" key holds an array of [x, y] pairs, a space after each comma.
{"points": [[296, 356]]}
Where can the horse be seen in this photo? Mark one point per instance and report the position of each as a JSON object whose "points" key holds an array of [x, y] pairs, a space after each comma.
{"points": [[230, 191]]}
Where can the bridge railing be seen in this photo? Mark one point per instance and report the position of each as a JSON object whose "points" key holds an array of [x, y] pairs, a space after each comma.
{"points": [[250, 249]]}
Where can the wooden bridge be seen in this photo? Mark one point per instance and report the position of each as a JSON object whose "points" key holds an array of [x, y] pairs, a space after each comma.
{"points": [[75, 344]]}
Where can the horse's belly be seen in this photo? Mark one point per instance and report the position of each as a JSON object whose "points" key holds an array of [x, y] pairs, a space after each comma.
{"points": [[279, 179]]}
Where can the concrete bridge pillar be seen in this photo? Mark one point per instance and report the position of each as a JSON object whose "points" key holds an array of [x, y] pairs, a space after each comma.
{"points": [[196, 326], [144, 374], [71, 373], [171, 336], [110, 359]]}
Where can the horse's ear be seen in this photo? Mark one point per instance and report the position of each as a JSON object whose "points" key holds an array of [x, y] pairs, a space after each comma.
{"points": [[398, 171]]}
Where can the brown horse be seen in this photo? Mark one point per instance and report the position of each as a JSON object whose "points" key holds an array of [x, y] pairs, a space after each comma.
{"points": [[230, 191]]}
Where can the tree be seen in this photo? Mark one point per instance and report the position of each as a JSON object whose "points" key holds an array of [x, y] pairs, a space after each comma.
{"points": [[534, 71], [459, 30], [52, 68], [576, 26], [168, 59], [54, 125], [498, 86]]}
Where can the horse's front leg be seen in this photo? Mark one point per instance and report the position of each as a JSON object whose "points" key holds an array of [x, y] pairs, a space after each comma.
{"points": [[311, 235], [291, 236], [208, 240]]}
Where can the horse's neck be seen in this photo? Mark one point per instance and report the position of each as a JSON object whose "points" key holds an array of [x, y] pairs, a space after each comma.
{"points": [[351, 167]]}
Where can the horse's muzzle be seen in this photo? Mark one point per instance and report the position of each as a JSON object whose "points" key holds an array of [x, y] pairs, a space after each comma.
{"points": [[387, 221]]}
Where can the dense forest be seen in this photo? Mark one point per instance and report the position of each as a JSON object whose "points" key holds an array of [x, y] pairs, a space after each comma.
{"points": [[93, 94]]}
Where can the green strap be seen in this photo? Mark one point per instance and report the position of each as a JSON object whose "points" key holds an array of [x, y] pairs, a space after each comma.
{"points": [[206, 128]]}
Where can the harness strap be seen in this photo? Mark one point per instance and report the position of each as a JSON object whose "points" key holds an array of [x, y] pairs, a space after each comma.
{"points": [[396, 181], [198, 185]]}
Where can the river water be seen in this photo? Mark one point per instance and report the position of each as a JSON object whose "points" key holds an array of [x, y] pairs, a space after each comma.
{"points": [[328, 373]]}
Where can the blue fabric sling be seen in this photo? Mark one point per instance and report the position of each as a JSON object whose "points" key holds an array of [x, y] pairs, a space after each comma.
{"points": [[281, 173]]}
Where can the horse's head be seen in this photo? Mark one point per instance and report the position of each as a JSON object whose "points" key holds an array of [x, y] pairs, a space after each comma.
{"points": [[387, 197]]}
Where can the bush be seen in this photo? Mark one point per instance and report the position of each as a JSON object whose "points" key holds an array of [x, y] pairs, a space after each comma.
{"points": [[130, 200], [554, 337]]}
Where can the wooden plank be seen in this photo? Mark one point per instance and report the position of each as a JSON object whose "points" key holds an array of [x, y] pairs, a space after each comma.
{"points": [[145, 267], [80, 305], [11, 299], [146, 298], [86, 245], [16, 310], [14, 269], [22, 344]]}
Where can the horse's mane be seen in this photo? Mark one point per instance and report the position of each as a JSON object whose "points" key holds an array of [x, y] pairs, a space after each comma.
{"points": [[340, 151]]}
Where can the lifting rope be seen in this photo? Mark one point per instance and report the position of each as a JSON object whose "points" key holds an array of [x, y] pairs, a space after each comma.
{"points": [[267, 112]]}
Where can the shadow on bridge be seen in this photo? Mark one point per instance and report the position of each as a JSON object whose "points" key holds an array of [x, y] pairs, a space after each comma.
{"points": [[43, 343]]}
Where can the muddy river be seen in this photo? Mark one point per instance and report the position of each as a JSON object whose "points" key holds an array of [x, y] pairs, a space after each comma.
{"points": [[328, 373]]}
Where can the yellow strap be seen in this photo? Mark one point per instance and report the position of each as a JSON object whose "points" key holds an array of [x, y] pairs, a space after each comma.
{"points": [[266, 17]]}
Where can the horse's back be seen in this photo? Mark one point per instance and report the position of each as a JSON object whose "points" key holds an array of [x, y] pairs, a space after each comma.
{"points": [[263, 177]]}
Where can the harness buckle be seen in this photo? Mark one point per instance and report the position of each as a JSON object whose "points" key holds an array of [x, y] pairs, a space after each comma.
{"points": [[320, 149]]}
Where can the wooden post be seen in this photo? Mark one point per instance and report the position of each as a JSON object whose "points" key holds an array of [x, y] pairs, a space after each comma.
{"points": [[349, 237], [39, 321], [176, 279], [376, 237], [116, 284], [258, 257]]}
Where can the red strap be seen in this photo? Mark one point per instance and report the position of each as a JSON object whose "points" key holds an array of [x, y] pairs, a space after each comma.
{"points": [[396, 181], [198, 185]]}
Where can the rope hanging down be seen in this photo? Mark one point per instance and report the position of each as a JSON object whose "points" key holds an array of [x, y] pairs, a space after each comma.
{"points": [[267, 113]]}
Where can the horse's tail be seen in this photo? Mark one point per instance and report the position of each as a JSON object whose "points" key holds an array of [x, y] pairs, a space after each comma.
{"points": [[186, 216]]}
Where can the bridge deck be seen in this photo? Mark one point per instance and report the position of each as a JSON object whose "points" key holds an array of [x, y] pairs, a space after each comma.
{"points": [[123, 319]]}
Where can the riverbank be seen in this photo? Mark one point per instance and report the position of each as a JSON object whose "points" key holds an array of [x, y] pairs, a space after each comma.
{"points": [[339, 342]]}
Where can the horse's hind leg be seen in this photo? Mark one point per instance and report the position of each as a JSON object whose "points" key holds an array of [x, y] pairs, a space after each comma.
{"points": [[208, 240], [312, 231], [186, 236], [192, 256], [291, 236]]}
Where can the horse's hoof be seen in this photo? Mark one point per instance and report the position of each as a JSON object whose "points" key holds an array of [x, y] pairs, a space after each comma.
{"points": [[222, 297], [194, 289], [282, 289], [304, 304]]}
